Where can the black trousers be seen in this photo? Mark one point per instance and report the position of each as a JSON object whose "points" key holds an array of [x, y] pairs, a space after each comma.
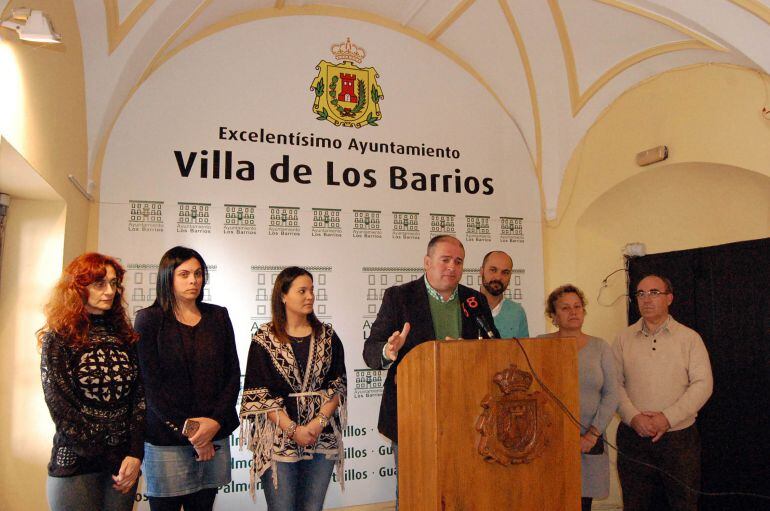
{"points": [[202, 500], [677, 453]]}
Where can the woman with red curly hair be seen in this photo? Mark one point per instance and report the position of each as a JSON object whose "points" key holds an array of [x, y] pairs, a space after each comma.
{"points": [[91, 384]]}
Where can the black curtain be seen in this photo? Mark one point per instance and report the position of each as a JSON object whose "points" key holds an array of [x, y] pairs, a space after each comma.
{"points": [[723, 293]]}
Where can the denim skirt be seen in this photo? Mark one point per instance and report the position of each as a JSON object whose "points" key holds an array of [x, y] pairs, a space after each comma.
{"points": [[172, 470]]}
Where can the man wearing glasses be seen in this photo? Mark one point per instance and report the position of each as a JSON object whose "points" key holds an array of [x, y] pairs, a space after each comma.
{"points": [[665, 378]]}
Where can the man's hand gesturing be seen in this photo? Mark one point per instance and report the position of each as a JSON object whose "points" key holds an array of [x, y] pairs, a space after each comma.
{"points": [[396, 341]]}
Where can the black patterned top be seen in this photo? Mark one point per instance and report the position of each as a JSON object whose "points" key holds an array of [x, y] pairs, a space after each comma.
{"points": [[96, 401]]}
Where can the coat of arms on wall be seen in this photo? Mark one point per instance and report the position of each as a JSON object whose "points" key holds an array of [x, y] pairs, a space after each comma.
{"points": [[514, 424], [345, 94]]}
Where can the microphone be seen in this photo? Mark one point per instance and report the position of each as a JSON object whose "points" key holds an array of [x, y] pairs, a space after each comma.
{"points": [[471, 310]]}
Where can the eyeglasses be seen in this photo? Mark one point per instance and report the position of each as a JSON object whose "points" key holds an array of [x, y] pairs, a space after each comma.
{"points": [[101, 285], [652, 292]]}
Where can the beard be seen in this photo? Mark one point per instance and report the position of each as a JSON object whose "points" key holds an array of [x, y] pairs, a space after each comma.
{"points": [[494, 287]]}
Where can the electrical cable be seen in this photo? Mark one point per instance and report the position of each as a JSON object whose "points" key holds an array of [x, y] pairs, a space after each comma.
{"points": [[604, 285], [604, 280], [577, 422]]}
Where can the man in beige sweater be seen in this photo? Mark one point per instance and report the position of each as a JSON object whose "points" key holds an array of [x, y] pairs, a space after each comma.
{"points": [[665, 378]]}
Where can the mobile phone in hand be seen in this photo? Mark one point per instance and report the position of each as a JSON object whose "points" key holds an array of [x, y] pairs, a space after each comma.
{"points": [[190, 427]]}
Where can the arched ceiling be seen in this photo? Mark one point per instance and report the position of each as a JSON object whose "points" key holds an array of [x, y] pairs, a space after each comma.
{"points": [[552, 65]]}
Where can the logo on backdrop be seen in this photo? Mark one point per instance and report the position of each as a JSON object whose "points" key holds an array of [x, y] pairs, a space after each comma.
{"points": [[139, 286], [345, 94], [477, 229], [406, 225], [366, 224], [140, 282], [265, 278], [511, 230], [239, 219], [326, 222], [284, 221], [145, 216], [368, 383], [194, 217], [442, 223]]}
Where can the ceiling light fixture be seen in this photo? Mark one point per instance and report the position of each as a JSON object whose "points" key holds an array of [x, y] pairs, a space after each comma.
{"points": [[32, 25]]}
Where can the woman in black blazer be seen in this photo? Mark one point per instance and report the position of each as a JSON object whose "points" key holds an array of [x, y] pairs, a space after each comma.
{"points": [[190, 367]]}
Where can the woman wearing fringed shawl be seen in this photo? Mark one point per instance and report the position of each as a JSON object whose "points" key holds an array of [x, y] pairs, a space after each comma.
{"points": [[293, 410]]}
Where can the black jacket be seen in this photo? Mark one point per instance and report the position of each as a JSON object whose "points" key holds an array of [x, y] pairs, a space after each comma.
{"points": [[409, 302], [178, 389]]}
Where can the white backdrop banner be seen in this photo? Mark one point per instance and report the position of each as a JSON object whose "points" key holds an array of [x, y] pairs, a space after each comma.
{"points": [[279, 142]]}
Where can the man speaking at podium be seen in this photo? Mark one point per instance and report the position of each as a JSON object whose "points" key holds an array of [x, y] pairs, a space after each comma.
{"points": [[435, 306]]}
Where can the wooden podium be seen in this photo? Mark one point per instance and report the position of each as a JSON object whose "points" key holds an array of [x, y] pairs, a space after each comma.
{"points": [[457, 398]]}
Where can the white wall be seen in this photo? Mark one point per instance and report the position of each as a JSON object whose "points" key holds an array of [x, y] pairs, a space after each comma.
{"points": [[31, 263]]}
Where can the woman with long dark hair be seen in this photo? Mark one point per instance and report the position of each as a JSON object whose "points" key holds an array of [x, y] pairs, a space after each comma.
{"points": [[190, 367], [293, 408], [599, 393], [92, 387]]}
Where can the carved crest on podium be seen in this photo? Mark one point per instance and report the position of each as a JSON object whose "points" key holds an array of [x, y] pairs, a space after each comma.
{"points": [[514, 425]]}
